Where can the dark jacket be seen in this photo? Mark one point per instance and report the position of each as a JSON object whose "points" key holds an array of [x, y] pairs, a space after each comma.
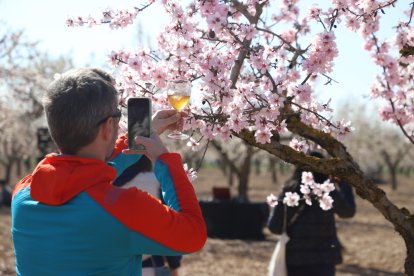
{"points": [[312, 231]]}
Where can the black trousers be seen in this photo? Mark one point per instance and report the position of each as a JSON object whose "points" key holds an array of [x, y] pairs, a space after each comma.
{"points": [[311, 270]]}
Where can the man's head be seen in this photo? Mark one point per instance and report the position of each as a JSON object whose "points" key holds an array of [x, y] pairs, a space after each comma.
{"points": [[77, 105], [318, 177]]}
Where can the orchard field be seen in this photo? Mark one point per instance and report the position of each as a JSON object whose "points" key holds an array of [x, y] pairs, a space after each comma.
{"points": [[372, 247]]}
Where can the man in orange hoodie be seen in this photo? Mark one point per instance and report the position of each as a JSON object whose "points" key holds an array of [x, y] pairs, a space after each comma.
{"points": [[68, 218]]}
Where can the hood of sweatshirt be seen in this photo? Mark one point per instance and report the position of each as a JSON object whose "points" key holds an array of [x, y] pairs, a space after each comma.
{"points": [[59, 178]]}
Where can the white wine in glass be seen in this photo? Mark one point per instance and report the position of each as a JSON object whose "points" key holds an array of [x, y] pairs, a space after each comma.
{"points": [[178, 102], [178, 93]]}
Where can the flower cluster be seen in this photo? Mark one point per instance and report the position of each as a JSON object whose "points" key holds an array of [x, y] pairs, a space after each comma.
{"points": [[322, 54], [309, 190], [116, 19], [191, 173]]}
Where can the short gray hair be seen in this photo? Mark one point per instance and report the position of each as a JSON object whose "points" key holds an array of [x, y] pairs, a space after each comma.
{"points": [[74, 103]]}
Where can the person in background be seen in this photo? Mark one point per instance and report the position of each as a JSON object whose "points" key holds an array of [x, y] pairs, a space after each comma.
{"points": [[313, 248], [67, 216], [140, 175]]}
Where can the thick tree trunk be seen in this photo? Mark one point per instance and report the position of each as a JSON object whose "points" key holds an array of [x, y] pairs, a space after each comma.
{"points": [[3, 180], [244, 174], [393, 165], [19, 171], [272, 169], [28, 164], [230, 177], [8, 171], [409, 261], [222, 166], [257, 166], [243, 188], [393, 178]]}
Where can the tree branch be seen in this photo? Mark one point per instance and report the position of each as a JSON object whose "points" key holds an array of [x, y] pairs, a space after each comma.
{"points": [[235, 71], [341, 165]]}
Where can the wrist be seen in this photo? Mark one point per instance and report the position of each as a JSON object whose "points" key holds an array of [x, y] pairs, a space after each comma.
{"points": [[162, 155]]}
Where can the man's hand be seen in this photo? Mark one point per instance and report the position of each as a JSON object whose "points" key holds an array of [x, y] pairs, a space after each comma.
{"points": [[174, 272], [165, 119], [153, 147]]}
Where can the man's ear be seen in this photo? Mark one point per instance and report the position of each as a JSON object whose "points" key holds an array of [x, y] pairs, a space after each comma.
{"points": [[106, 129]]}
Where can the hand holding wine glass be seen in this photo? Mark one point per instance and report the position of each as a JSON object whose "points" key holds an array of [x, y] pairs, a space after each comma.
{"points": [[178, 93]]}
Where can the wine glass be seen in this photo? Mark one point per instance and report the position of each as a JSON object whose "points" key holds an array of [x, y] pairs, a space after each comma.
{"points": [[178, 93]]}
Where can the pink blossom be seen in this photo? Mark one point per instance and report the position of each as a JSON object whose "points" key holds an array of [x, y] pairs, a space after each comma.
{"points": [[263, 136], [159, 77], [305, 189], [248, 31], [344, 128], [272, 200], [308, 199], [327, 186], [307, 178], [352, 24], [317, 189], [193, 144], [134, 62], [237, 123], [299, 145], [207, 131], [291, 199], [224, 132], [191, 173], [289, 35], [322, 54], [314, 11], [303, 92], [326, 202]]}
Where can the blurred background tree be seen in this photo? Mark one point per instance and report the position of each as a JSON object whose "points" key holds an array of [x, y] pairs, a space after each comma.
{"points": [[25, 72]]}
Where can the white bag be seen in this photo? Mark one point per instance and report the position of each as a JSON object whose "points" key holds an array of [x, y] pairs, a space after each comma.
{"points": [[148, 271], [277, 265]]}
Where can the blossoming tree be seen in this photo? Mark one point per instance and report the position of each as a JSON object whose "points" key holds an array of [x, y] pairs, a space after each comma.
{"points": [[25, 71], [253, 68]]}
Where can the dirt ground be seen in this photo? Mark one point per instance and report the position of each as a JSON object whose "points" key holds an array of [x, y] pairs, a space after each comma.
{"points": [[372, 246]]}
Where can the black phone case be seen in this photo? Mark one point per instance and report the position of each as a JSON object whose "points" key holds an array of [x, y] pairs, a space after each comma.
{"points": [[139, 120]]}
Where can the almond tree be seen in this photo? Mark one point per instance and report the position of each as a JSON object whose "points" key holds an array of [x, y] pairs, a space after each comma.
{"points": [[376, 145], [238, 157], [253, 68], [17, 142], [24, 74]]}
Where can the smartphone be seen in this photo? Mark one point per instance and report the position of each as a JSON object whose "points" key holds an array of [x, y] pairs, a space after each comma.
{"points": [[139, 120]]}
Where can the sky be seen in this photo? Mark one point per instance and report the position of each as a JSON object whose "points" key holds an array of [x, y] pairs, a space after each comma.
{"points": [[44, 21]]}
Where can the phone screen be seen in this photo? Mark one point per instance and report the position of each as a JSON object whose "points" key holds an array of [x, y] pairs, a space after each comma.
{"points": [[139, 120]]}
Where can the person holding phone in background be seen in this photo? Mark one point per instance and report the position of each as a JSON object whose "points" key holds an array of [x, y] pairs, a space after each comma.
{"points": [[68, 218]]}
